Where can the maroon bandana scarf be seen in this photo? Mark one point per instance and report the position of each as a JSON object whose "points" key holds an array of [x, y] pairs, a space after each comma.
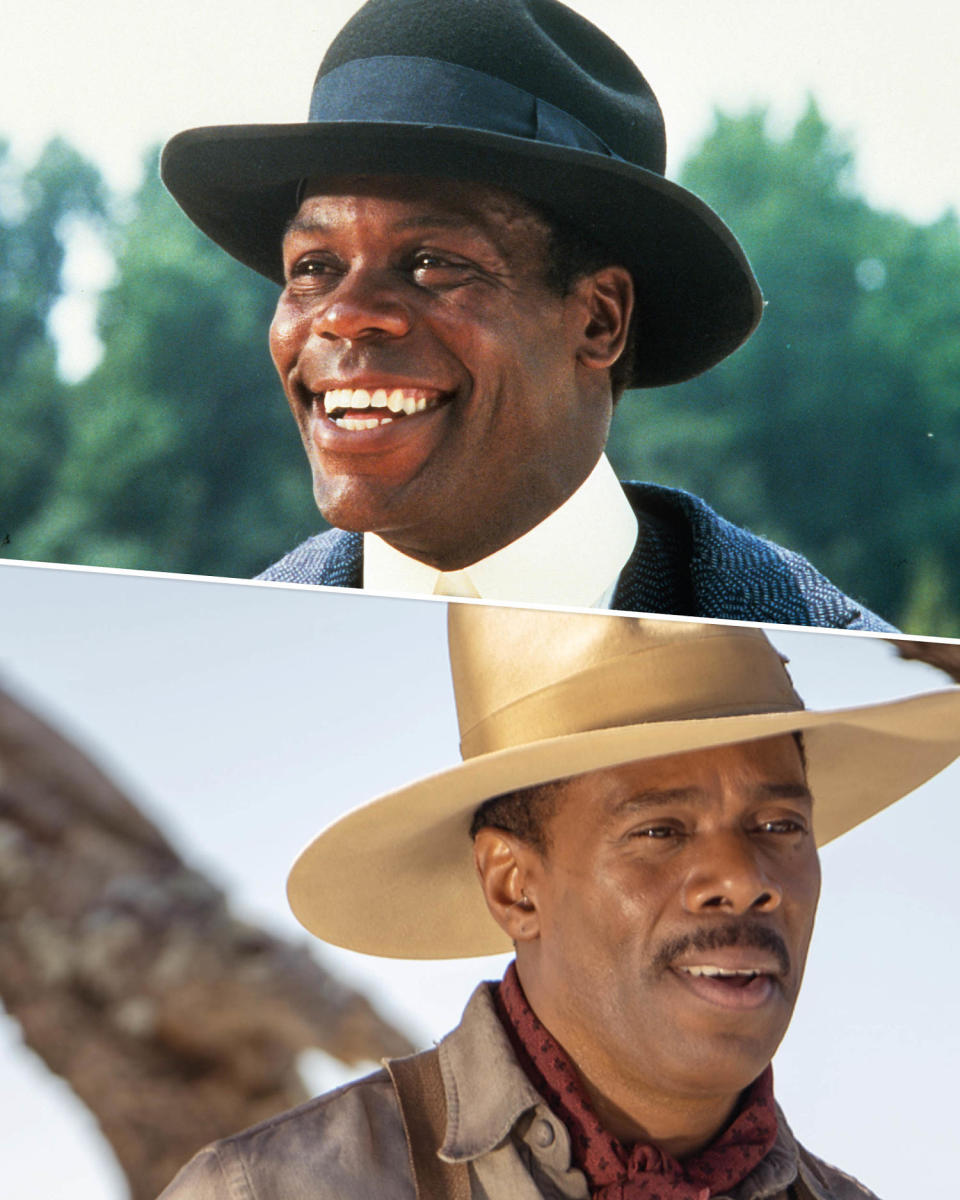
{"points": [[640, 1172]]}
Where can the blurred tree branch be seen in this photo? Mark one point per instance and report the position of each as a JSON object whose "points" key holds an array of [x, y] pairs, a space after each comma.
{"points": [[173, 1021], [943, 655]]}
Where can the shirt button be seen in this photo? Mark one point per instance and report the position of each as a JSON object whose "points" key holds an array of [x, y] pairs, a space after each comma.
{"points": [[543, 1134]]}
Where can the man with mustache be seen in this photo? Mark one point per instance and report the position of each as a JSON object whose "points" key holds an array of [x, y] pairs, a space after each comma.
{"points": [[638, 814], [479, 252]]}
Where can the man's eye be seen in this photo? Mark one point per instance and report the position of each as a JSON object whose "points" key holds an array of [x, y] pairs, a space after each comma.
{"points": [[658, 832], [435, 268], [310, 268], [783, 825]]}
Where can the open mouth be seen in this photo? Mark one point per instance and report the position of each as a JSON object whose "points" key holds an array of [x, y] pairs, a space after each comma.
{"points": [[357, 409], [739, 978], [736, 988]]}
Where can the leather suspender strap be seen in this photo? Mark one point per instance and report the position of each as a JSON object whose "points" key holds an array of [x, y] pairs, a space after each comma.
{"points": [[423, 1107]]}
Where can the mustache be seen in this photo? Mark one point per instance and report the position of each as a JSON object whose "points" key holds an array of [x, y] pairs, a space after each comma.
{"points": [[747, 932]]}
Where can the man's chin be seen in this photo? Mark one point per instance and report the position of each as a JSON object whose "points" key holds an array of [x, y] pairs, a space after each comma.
{"points": [[732, 1061], [359, 504], [346, 509], [729, 1051], [720, 1069]]}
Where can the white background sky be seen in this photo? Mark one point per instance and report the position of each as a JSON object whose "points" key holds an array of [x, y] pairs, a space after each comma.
{"points": [[244, 717], [115, 76]]}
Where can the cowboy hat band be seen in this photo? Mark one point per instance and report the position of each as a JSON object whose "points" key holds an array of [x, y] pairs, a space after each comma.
{"points": [[395, 877], [524, 95], [718, 677]]}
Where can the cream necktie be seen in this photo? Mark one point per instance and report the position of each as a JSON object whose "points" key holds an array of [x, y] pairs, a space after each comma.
{"points": [[455, 583]]}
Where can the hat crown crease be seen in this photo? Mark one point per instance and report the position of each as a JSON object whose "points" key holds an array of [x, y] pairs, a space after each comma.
{"points": [[520, 42]]}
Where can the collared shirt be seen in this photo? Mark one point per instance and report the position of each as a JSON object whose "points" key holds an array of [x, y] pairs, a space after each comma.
{"points": [[688, 561], [572, 558], [350, 1144]]}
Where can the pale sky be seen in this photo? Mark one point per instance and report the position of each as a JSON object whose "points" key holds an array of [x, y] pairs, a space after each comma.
{"points": [[244, 717]]}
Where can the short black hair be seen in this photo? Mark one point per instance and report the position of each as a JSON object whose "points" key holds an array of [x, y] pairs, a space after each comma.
{"points": [[571, 254], [526, 812]]}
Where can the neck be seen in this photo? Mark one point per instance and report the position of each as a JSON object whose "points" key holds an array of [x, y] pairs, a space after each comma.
{"points": [[451, 541], [678, 1125], [460, 535]]}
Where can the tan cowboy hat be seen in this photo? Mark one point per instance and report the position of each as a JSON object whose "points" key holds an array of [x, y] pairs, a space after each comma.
{"points": [[544, 695]]}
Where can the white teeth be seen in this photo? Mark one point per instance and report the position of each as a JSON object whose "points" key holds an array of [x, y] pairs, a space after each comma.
{"points": [[718, 972], [334, 400], [347, 398], [355, 423], [353, 399]]}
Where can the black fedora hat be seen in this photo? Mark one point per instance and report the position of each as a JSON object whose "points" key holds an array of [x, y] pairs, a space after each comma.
{"points": [[521, 94]]}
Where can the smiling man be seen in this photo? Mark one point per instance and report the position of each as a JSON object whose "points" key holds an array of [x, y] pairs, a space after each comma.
{"points": [[638, 814], [478, 252], [422, 347]]}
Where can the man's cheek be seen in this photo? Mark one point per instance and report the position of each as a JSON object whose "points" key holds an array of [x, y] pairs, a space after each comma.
{"points": [[283, 340]]}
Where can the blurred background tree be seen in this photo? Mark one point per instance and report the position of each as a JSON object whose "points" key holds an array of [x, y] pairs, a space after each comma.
{"points": [[177, 453], [172, 1019], [835, 430], [37, 207]]}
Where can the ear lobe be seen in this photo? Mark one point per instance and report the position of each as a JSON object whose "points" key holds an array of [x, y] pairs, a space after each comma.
{"points": [[608, 296], [502, 864]]}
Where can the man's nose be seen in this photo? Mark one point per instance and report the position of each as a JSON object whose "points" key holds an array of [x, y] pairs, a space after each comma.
{"points": [[364, 304], [728, 877]]}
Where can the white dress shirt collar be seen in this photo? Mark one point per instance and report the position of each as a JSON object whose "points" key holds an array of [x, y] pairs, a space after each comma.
{"points": [[573, 558]]}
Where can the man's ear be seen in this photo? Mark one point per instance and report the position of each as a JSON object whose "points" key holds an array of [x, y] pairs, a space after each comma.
{"points": [[608, 298], [504, 864]]}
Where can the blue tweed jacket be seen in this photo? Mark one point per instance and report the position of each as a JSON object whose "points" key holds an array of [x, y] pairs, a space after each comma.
{"points": [[688, 561]]}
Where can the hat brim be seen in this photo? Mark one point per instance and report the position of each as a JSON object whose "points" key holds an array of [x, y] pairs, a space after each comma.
{"points": [[396, 877], [697, 296]]}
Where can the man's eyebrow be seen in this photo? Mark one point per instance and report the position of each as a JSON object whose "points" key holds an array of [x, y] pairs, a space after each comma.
{"points": [[298, 224], [427, 220], [307, 224], [655, 797], [788, 791]]}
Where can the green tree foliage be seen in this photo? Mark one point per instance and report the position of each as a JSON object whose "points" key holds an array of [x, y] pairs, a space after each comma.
{"points": [[836, 429], [182, 454], [37, 207]]}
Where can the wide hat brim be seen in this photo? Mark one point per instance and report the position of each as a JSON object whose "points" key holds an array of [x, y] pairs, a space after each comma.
{"points": [[396, 877], [697, 296]]}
